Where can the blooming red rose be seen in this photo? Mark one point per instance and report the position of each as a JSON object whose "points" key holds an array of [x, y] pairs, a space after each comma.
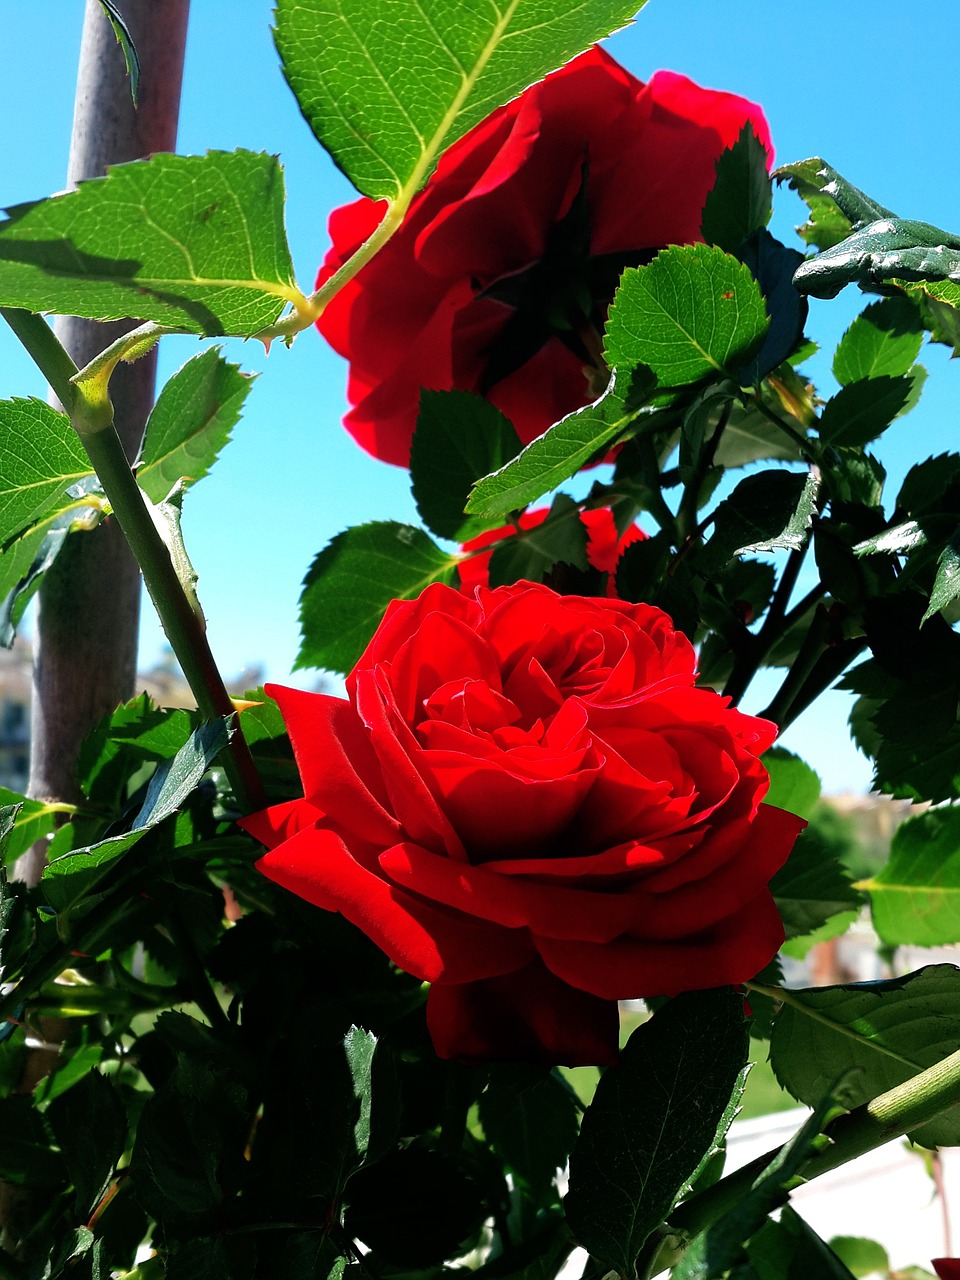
{"points": [[527, 802], [499, 279], [947, 1268], [604, 547]]}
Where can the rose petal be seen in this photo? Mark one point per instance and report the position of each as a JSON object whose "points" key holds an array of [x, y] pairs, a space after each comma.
{"points": [[426, 940], [527, 1016]]}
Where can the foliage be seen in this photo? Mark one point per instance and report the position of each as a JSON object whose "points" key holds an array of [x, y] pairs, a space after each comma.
{"points": [[245, 1084]]}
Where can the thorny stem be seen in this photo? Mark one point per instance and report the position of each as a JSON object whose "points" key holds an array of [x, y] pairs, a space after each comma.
{"points": [[184, 628]]}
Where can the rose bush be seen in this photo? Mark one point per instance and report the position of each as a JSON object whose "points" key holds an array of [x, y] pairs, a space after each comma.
{"points": [[604, 547], [526, 802], [499, 279]]}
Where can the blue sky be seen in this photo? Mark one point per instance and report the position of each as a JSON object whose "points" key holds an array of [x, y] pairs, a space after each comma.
{"points": [[838, 81]]}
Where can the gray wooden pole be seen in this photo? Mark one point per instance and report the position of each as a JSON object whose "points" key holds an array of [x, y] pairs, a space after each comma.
{"points": [[89, 602]]}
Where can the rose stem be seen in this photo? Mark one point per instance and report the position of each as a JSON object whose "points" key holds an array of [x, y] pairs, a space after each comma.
{"points": [[182, 625]]}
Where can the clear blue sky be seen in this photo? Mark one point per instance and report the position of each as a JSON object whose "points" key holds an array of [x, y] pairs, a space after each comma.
{"points": [[838, 81]]}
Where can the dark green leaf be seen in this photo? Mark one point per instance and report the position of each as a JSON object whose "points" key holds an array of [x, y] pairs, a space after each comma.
{"points": [[531, 1120], [740, 202], [916, 896], [773, 266], [386, 88], [766, 510], [532, 553], [90, 1125], [175, 779], [460, 438], [793, 1242], [190, 423], [861, 411], [889, 249], [750, 436], [812, 887], [653, 1119], [815, 175], [882, 342], [559, 453], [125, 41], [811, 179], [692, 313], [27, 1156], [40, 456], [354, 578], [946, 586], [375, 1090], [193, 242], [881, 1033], [926, 482]]}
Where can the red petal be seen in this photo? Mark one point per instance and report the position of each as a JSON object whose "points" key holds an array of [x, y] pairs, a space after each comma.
{"points": [[527, 1016]]}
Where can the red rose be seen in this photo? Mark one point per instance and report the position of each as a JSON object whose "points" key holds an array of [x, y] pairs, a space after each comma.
{"points": [[527, 803], [947, 1268], [604, 548], [499, 279]]}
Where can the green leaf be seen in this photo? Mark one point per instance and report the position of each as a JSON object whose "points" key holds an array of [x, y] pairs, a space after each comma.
{"points": [[175, 779], [558, 454], [890, 249], [827, 224], [939, 301], [354, 578], [794, 786], [90, 1125], [27, 822], [376, 1101], [881, 1033], [190, 423], [387, 87], [814, 177], [882, 342], [531, 1120], [750, 436], [767, 510], [861, 411], [794, 1249], [125, 41], [946, 586], [741, 200], [812, 886], [860, 1255], [532, 553], [192, 242], [916, 896], [653, 1119], [40, 456], [692, 313], [459, 439]]}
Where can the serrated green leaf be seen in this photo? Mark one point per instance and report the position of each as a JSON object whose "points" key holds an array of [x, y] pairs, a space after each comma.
{"points": [[460, 438], [387, 87], [532, 553], [940, 303], [750, 436], [890, 249], [861, 411], [884, 341], [125, 41], [556, 455], [926, 482], [812, 886], [652, 1120], [816, 177], [28, 821], [794, 786], [692, 313], [946, 586], [741, 200], [190, 423], [881, 1033], [767, 510], [773, 265], [90, 1125], [354, 578], [192, 242], [40, 456], [916, 896], [530, 1119], [899, 540]]}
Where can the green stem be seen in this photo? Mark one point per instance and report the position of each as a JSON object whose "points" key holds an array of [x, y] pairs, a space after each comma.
{"points": [[804, 663], [184, 628], [890, 1115]]}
